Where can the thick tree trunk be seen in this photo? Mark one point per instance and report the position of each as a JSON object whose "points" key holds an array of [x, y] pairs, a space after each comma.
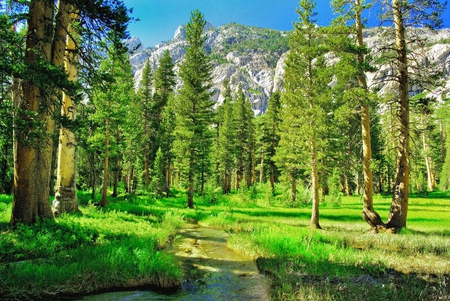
{"points": [[34, 155], [66, 193], [399, 206]]}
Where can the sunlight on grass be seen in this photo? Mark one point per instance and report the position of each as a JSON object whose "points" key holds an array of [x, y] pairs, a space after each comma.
{"points": [[121, 246]]}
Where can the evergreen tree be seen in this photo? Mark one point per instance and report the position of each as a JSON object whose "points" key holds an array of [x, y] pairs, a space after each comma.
{"points": [[226, 140], [272, 120], [66, 192], [245, 139], [167, 137], [304, 123], [43, 80], [111, 100], [194, 110], [354, 67], [164, 111], [147, 131], [405, 15], [11, 63], [158, 181]]}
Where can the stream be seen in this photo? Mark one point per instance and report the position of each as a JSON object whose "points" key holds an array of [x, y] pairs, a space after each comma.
{"points": [[212, 271]]}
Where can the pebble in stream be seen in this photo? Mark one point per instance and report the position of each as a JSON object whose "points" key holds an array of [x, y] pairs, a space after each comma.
{"points": [[213, 271]]}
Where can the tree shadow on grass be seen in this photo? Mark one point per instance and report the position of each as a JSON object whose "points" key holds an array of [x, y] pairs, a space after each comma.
{"points": [[300, 278], [300, 215]]}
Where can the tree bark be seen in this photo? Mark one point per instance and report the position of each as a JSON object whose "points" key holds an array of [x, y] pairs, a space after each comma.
{"points": [[272, 176], [168, 176], [399, 206], [34, 154], [191, 176], [66, 193], [431, 181], [315, 187], [368, 213], [261, 167], [106, 163], [293, 188]]}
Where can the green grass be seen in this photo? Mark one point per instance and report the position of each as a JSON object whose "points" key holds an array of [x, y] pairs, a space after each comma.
{"points": [[121, 247], [345, 260], [89, 252]]}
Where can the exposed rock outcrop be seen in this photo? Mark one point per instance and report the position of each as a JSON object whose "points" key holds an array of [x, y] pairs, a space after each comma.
{"points": [[254, 57]]}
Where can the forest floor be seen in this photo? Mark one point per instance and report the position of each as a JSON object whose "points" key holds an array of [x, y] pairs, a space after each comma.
{"points": [[120, 248]]}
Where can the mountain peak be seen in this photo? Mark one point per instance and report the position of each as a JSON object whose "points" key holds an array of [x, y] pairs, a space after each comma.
{"points": [[180, 32]]}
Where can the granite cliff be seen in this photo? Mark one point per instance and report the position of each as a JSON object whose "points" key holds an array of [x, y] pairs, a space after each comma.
{"points": [[254, 57]]}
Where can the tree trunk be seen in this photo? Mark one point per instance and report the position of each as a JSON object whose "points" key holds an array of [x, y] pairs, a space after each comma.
{"points": [[202, 180], [66, 194], [368, 213], [261, 167], [105, 165], [146, 172], [191, 175], [116, 178], [293, 188], [431, 181], [168, 176], [253, 171], [34, 155], [272, 176], [399, 206], [315, 187]]}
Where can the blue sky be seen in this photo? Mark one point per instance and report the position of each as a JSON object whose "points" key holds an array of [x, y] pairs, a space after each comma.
{"points": [[160, 18]]}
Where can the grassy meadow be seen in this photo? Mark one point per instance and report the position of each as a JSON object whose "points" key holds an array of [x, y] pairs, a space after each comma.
{"points": [[121, 247]]}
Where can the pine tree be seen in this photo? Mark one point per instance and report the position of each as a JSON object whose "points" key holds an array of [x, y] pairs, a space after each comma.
{"points": [[226, 140], [307, 96], [111, 99], [145, 127], [43, 80], [354, 67], [167, 128], [406, 15], [66, 193], [163, 99], [194, 111], [158, 181], [245, 139], [272, 120]]}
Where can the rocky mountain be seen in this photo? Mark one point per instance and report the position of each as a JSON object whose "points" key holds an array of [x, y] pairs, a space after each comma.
{"points": [[254, 57]]}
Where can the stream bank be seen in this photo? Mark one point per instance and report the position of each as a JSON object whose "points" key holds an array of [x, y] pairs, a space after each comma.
{"points": [[212, 271]]}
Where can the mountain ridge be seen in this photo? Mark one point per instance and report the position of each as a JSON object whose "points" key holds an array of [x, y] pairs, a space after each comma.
{"points": [[254, 57]]}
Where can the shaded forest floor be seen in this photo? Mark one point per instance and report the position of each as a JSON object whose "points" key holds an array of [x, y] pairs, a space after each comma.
{"points": [[120, 247]]}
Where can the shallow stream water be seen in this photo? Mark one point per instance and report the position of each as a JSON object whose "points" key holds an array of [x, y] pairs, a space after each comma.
{"points": [[213, 271]]}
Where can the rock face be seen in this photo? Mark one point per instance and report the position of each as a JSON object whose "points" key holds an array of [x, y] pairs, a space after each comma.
{"points": [[254, 58]]}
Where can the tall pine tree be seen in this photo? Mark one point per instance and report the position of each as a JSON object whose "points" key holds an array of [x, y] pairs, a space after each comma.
{"points": [[304, 127], [194, 110]]}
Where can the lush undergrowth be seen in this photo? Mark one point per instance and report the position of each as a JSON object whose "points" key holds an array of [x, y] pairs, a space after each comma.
{"points": [[121, 246], [93, 251]]}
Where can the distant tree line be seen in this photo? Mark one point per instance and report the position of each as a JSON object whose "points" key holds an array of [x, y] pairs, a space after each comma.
{"points": [[326, 133]]}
